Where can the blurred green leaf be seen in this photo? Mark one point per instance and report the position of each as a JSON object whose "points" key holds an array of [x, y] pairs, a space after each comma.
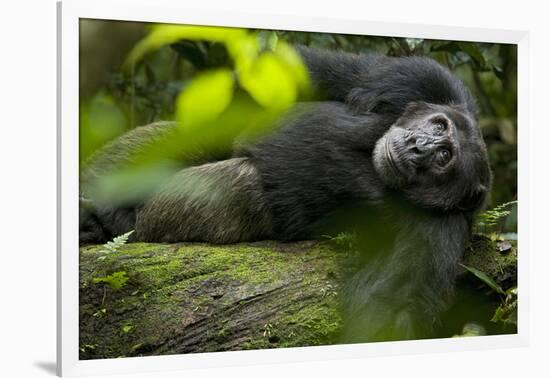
{"points": [[132, 183], [243, 51], [162, 35], [100, 121], [269, 83], [205, 98], [294, 64], [243, 118]]}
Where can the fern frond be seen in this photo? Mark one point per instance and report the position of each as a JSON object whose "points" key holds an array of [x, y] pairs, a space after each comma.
{"points": [[491, 217], [116, 243]]}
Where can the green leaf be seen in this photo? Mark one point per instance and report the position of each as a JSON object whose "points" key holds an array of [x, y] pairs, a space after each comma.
{"points": [[136, 347], [127, 328], [101, 120], [116, 281], [474, 52], [243, 51], [506, 313], [115, 244], [294, 64], [205, 98], [499, 314], [499, 72], [413, 43], [485, 278], [133, 182], [244, 118], [269, 82], [512, 291], [162, 35], [492, 217], [451, 47]]}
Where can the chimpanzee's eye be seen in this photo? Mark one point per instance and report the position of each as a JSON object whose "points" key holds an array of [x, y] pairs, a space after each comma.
{"points": [[444, 156]]}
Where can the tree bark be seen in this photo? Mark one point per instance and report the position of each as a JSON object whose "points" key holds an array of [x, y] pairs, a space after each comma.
{"points": [[157, 299]]}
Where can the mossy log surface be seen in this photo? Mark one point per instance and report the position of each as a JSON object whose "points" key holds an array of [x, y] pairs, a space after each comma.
{"points": [[188, 298]]}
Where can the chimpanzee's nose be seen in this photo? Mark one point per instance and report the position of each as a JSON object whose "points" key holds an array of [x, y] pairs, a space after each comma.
{"points": [[421, 146], [422, 143]]}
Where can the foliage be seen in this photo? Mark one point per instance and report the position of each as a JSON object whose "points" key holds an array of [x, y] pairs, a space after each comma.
{"points": [[116, 280], [223, 82], [343, 240], [491, 218], [101, 120], [507, 310], [271, 72], [485, 278], [205, 98], [257, 78]]}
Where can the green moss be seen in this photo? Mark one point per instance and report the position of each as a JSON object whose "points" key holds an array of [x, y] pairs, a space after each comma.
{"points": [[315, 324], [222, 296], [182, 298], [484, 255]]}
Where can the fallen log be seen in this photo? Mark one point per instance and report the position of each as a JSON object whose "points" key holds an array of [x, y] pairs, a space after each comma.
{"points": [[157, 299]]}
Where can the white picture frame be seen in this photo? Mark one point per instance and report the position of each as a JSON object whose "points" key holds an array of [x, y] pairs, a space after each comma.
{"points": [[166, 11]]}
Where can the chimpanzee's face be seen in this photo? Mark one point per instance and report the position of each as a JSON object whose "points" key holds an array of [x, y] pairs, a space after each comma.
{"points": [[436, 156]]}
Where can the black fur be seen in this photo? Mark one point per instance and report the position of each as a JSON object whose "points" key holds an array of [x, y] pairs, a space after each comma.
{"points": [[353, 156], [381, 84], [318, 162], [323, 161]]}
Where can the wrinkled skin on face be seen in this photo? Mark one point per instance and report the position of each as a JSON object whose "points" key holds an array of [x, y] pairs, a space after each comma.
{"points": [[435, 155]]}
